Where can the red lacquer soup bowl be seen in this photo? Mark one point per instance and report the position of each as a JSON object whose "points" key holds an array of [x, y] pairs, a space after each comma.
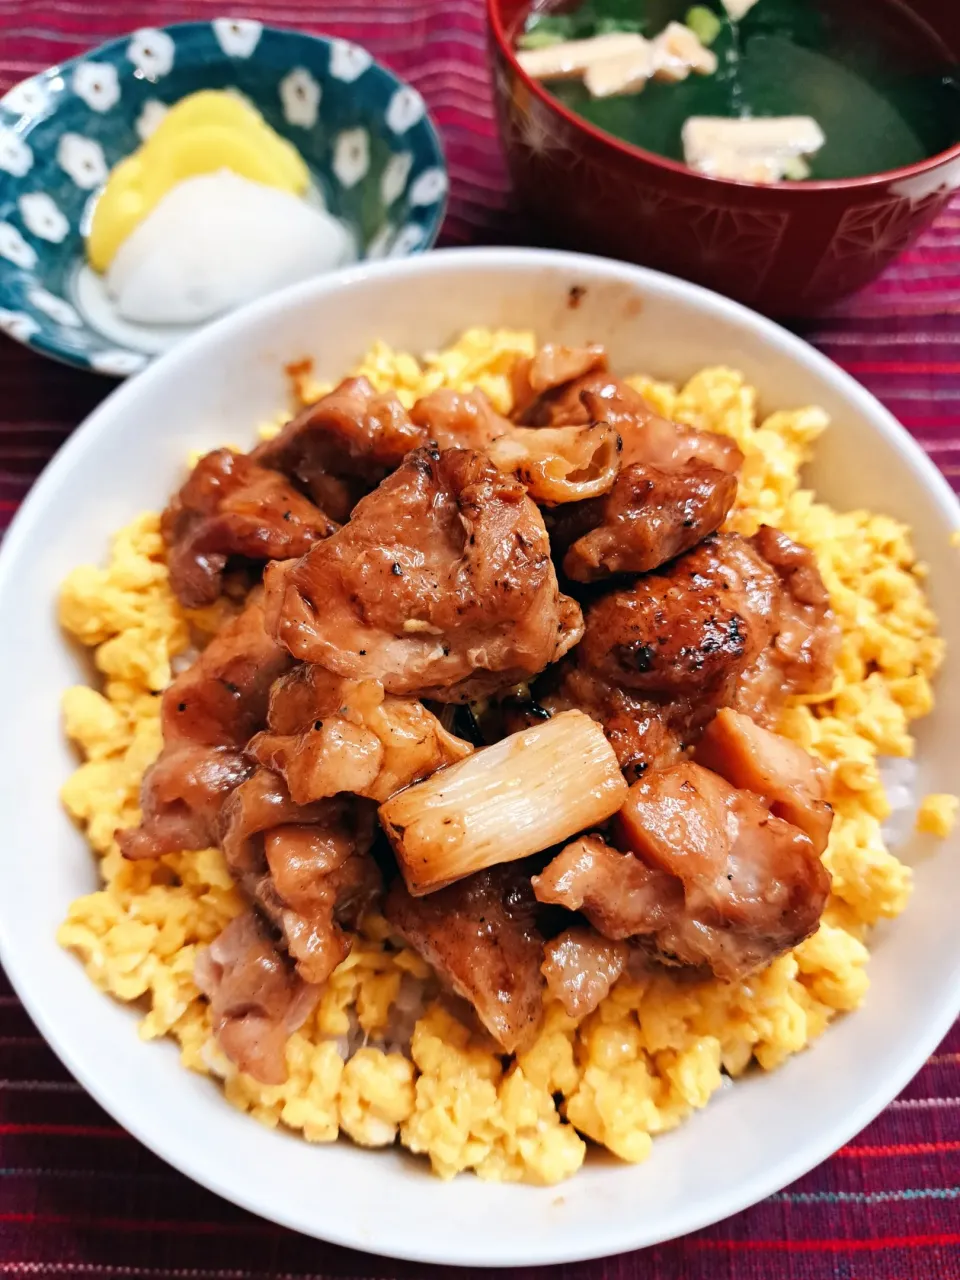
{"points": [[787, 249]]}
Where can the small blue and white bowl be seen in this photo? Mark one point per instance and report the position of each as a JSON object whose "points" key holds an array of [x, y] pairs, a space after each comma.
{"points": [[373, 153]]}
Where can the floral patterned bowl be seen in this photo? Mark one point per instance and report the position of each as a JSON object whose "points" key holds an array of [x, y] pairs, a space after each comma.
{"points": [[374, 156]]}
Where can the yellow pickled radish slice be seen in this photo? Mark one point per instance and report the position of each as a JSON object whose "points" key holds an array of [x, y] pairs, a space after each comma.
{"points": [[216, 107], [208, 106], [203, 133], [120, 207], [211, 147]]}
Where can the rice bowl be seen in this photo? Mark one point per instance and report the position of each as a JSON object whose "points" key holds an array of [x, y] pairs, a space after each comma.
{"points": [[678, 330]]}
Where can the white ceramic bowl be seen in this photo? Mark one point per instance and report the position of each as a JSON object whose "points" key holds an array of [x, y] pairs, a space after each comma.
{"points": [[753, 1138]]}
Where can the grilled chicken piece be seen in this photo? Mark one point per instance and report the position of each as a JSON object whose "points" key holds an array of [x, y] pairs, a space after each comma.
{"points": [[554, 366], [580, 967], [753, 884], [230, 507], [650, 516], [458, 419], [643, 732], [688, 631], [647, 437], [208, 714], [792, 783], [328, 735], [262, 804], [307, 867], [596, 397], [658, 657], [562, 466], [441, 585], [342, 446], [256, 998], [712, 878], [661, 443], [803, 656], [721, 625], [619, 894], [323, 879], [180, 800], [222, 697], [481, 938]]}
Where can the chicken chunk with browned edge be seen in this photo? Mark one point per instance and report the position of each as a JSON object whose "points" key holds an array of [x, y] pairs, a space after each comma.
{"points": [[342, 446], [208, 715], [645, 733], [792, 783], [619, 894], [537, 380], [441, 585], [306, 867], [803, 655], [580, 966], [481, 938], [754, 885], [562, 404], [647, 437], [689, 630], [230, 507], [711, 877], [658, 657], [452, 419], [650, 516], [257, 1000], [327, 735]]}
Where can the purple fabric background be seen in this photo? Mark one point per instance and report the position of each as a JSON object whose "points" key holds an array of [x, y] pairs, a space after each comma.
{"points": [[80, 1198]]}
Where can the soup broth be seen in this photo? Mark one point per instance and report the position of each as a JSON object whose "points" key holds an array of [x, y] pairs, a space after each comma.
{"points": [[874, 77]]}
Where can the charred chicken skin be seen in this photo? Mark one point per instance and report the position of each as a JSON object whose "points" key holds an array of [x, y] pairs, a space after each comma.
{"points": [[440, 586], [342, 446], [232, 508]]}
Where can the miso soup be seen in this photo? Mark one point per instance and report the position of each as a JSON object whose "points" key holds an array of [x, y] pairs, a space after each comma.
{"points": [[874, 78]]}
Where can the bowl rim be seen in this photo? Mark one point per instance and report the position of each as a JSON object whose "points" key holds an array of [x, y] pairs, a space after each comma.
{"points": [[43, 345], [629, 150], [161, 1139]]}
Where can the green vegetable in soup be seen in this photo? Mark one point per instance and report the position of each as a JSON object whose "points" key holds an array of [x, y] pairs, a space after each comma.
{"points": [[704, 24], [540, 38], [592, 18], [816, 58]]}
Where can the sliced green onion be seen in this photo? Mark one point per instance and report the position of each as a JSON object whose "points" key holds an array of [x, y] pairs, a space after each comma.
{"points": [[796, 169], [704, 23], [538, 39]]}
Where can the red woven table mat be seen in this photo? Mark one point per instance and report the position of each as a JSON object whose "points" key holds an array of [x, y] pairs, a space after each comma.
{"points": [[78, 1196]]}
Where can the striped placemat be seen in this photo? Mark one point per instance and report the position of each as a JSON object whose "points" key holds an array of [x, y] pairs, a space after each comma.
{"points": [[80, 1198]]}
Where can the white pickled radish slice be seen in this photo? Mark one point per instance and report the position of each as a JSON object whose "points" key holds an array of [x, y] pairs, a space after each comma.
{"points": [[215, 241]]}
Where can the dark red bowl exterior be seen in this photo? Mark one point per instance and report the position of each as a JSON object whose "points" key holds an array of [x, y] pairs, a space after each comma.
{"points": [[787, 250]]}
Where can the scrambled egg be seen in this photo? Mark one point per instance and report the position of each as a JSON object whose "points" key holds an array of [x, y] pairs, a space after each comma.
{"points": [[937, 815], [654, 1051]]}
